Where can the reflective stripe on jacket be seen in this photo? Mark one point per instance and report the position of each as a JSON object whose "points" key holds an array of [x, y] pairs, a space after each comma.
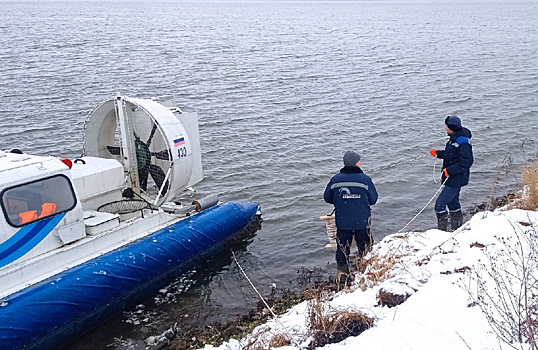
{"points": [[352, 192]]}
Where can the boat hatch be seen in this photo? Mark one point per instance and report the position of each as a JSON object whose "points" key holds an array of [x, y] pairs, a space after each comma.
{"points": [[97, 222]]}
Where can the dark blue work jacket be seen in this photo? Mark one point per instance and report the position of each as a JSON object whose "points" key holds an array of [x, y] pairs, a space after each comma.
{"points": [[457, 158], [352, 192]]}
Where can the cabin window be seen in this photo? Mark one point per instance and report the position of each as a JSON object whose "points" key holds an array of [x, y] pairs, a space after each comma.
{"points": [[36, 200]]}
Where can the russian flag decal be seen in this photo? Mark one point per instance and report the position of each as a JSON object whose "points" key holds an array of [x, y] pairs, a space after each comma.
{"points": [[179, 142]]}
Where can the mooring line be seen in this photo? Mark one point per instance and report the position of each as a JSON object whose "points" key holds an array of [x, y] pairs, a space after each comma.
{"points": [[435, 179], [399, 163], [413, 219], [424, 208], [263, 300], [431, 199]]}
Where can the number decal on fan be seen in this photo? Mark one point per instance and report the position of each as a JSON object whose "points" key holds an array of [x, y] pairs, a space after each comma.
{"points": [[182, 152]]}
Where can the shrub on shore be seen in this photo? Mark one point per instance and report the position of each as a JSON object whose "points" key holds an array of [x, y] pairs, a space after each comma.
{"points": [[527, 199], [530, 181]]}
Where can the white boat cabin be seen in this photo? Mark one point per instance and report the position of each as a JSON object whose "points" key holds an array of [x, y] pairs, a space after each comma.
{"points": [[57, 213], [34, 188]]}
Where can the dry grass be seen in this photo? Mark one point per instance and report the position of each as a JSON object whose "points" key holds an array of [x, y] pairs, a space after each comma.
{"points": [[265, 338], [336, 326], [530, 181], [528, 198], [327, 325], [258, 340], [385, 298], [375, 268], [323, 291], [279, 340]]}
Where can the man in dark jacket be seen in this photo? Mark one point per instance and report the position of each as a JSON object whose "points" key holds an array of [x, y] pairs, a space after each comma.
{"points": [[457, 160], [352, 192]]}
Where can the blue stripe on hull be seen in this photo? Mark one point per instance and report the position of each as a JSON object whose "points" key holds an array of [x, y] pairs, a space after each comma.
{"points": [[26, 239], [49, 314]]}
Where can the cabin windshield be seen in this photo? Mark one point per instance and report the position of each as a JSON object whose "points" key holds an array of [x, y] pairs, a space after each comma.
{"points": [[36, 200]]}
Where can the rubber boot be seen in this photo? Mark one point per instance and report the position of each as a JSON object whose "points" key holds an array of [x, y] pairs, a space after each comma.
{"points": [[343, 277], [442, 223], [456, 220]]}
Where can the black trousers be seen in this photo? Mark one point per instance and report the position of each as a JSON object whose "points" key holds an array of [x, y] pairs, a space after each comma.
{"points": [[344, 238]]}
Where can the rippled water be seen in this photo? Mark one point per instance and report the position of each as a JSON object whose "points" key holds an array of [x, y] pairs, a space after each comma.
{"points": [[283, 89]]}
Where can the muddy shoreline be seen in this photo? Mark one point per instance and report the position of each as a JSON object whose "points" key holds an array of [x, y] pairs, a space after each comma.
{"points": [[279, 300]]}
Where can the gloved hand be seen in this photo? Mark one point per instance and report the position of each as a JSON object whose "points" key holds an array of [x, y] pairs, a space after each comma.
{"points": [[433, 152], [445, 172]]}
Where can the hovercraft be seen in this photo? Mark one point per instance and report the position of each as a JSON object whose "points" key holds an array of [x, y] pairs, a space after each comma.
{"points": [[83, 239]]}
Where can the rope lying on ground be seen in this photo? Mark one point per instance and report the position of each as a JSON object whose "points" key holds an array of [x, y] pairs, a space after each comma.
{"points": [[263, 300]]}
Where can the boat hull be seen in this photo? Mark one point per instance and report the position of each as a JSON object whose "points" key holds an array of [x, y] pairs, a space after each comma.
{"points": [[49, 314]]}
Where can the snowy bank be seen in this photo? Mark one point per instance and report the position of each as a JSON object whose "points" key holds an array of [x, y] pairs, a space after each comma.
{"points": [[469, 289]]}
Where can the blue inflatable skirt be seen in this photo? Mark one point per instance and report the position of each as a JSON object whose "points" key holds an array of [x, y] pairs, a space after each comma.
{"points": [[51, 313]]}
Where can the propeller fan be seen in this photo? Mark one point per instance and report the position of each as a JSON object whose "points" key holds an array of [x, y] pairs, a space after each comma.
{"points": [[159, 146], [143, 159]]}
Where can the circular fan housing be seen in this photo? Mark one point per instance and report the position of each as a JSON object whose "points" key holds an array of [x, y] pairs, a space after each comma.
{"points": [[148, 139]]}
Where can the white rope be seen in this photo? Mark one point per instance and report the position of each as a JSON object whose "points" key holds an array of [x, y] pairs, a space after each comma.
{"points": [[413, 219], [266, 305], [435, 179], [424, 208], [399, 163]]}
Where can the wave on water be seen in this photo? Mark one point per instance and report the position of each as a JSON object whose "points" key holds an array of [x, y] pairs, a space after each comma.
{"points": [[458, 101]]}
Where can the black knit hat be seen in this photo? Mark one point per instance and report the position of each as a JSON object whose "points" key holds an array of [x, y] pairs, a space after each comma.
{"points": [[453, 123]]}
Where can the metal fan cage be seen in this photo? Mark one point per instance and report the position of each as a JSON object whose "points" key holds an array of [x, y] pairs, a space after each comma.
{"points": [[124, 206], [145, 128]]}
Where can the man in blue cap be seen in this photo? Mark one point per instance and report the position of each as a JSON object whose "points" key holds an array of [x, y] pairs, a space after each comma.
{"points": [[351, 192], [457, 160]]}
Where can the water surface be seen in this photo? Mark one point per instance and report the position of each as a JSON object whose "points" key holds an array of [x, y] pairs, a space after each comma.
{"points": [[283, 89]]}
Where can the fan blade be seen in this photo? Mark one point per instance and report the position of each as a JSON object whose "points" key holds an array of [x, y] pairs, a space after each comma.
{"points": [[163, 155], [143, 177], [157, 174], [114, 150], [148, 142]]}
